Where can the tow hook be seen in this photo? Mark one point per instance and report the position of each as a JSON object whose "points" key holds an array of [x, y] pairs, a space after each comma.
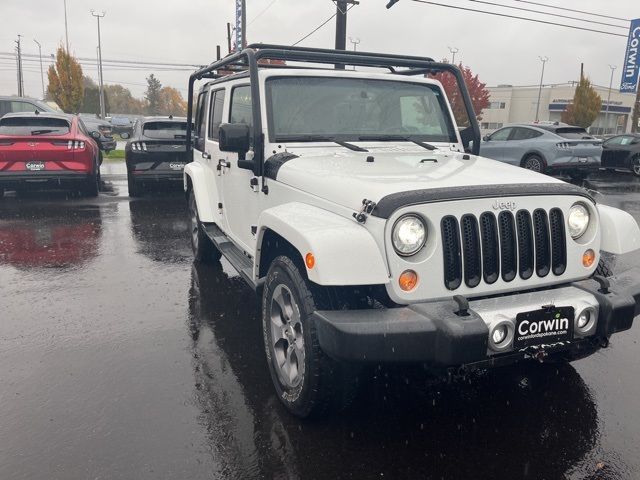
{"points": [[604, 343], [540, 355]]}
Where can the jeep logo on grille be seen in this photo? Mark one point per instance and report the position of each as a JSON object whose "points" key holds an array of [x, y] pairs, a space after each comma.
{"points": [[502, 205]]}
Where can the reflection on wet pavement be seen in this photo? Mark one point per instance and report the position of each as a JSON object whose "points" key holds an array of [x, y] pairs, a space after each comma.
{"points": [[123, 360]]}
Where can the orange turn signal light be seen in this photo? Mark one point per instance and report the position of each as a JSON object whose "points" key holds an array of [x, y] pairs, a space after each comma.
{"points": [[310, 260], [588, 258], [408, 280]]}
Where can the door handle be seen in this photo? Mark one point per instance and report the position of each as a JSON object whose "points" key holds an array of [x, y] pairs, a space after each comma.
{"points": [[206, 156]]}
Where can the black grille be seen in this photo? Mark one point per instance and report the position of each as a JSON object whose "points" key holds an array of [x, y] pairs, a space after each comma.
{"points": [[508, 246], [503, 245], [558, 242], [525, 244], [451, 249]]}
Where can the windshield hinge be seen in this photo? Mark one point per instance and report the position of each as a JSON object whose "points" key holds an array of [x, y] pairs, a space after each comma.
{"points": [[367, 208]]}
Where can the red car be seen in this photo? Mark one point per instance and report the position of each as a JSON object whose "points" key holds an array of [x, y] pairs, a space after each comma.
{"points": [[48, 150]]}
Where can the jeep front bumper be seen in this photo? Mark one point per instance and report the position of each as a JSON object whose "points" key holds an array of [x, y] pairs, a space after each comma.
{"points": [[432, 333]]}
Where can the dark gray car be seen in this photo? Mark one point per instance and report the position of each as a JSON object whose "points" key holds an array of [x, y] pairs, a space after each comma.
{"points": [[545, 148]]}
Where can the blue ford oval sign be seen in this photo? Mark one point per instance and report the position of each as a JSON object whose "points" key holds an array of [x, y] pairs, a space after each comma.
{"points": [[631, 60]]}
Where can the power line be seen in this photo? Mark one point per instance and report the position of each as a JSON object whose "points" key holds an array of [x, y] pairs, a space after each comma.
{"points": [[520, 18], [319, 27], [574, 11], [548, 13], [134, 62], [261, 12]]}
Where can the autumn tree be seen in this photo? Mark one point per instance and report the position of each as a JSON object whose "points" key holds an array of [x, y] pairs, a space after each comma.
{"points": [[65, 82], [477, 90], [172, 103], [586, 105], [635, 127], [152, 95]]}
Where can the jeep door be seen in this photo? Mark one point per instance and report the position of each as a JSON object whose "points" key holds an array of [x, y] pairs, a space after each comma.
{"points": [[213, 158], [493, 147], [241, 199]]}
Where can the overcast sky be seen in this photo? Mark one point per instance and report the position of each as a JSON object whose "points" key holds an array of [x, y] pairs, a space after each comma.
{"points": [[500, 50]]}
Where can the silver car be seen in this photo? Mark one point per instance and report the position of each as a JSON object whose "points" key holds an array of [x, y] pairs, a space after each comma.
{"points": [[547, 148]]}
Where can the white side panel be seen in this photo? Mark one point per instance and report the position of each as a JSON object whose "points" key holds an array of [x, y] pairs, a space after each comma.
{"points": [[620, 232], [345, 252], [205, 191]]}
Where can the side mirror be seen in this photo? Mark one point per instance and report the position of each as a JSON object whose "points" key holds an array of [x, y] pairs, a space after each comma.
{"points": [[125, 135], [95, 135], [486, 138], [236, 137]]}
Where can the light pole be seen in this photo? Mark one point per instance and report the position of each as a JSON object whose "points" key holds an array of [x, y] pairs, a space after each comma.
{"points": [[606, 115], [102, 107], [544, 60], [66, 29], [41, 70], [453, 51], [20, 73]]}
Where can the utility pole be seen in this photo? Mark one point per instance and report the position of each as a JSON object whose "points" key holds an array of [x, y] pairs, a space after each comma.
{"points": [[66, 29], [341, 25], [228, 37], [41, 69], [453, 51], [606, 115], [19, 58], [544, 60], [102, 106], [244, 24]]}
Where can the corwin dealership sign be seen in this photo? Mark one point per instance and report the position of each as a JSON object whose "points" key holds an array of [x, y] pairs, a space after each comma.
{"points": [[631, 60]]}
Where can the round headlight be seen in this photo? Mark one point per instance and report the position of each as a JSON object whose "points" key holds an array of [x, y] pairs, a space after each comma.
{"points": [[499, 334], [409, 235], [578, 220]]}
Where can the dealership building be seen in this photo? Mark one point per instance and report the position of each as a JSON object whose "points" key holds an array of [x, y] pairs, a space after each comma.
{"points": [[510, 104]]}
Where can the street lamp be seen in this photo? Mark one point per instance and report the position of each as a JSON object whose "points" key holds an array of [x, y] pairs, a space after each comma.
{"points": [[102, 106], [66, 30], [41, 70], [606, 115], [453, 51], [544, 60]]}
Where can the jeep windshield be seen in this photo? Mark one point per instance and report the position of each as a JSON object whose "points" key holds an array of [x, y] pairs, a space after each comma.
{"points": [[302, 109]]}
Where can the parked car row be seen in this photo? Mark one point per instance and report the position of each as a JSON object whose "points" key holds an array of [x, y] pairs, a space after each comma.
{"points": [[557, 148]]}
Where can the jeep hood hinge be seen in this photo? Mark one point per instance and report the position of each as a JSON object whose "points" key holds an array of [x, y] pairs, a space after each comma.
{"points": [[367, 208]]}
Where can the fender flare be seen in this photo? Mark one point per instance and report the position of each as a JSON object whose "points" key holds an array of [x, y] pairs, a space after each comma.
{"points": [[345, 252], [195, 175], [620, 232]]}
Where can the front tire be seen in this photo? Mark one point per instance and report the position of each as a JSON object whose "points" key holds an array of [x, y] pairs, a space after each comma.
{"points": [[204, 250], [133, 186], [635, 165], [306, 380]]}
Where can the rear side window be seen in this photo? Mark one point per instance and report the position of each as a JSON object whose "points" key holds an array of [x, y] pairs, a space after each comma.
{"points": [[573, 133], [33, 126], [200, 120], [524, 134], [165, 130], [215, 112]]}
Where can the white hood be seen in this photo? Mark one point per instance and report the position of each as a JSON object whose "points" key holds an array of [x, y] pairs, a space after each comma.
{"points": [[346, 177]]}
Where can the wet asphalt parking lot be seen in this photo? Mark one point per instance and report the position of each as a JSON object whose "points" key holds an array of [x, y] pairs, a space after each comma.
{"points": [[121, 359]]}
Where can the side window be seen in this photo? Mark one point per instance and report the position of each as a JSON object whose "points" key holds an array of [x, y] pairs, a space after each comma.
{"points": [[241, 111], [614, 141], [524, 134], [5, 107], [626, 140], [501, 135], [24, 107], [200, 120], [215, 113], [83, 127]]}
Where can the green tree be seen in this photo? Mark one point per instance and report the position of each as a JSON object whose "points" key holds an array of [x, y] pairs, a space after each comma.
{"points": [[152, 95], [585, 107], [91, 98], [122, 101], [65, 82]]}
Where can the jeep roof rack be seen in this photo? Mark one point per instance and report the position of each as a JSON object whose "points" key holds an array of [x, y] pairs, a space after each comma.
{"points": [[249, 59]]}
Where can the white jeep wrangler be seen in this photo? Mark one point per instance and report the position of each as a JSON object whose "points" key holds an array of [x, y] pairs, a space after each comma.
{"points": [[359, 212]]}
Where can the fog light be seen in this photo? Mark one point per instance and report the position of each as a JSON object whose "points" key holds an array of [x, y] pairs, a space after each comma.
{"points": [[585, 321], [499, 334], [408, 280], [588, 258]]}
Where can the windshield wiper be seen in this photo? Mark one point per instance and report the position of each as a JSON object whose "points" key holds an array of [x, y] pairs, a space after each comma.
{"points": [[396, 138], [320, 138], [40, 132]]}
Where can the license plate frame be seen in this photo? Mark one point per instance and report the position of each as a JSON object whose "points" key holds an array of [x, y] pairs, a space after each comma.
{"points": [[35, 165], [552, 325]]}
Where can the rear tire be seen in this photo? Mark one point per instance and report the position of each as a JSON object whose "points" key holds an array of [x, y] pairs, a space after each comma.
{"points": [[92, 188], [635, 165], [306, 380], [133, 186], [534, 163], [204, 250]]}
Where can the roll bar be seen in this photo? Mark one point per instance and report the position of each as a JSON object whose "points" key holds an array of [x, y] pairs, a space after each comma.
{"points": [[249, 59]]}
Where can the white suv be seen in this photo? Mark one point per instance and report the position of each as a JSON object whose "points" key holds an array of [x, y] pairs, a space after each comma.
{"points": [[348, 200]]}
